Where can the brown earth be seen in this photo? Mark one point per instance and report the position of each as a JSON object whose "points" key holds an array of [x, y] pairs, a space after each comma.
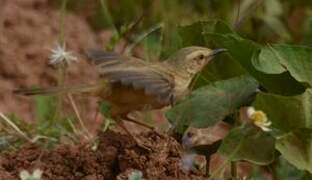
{"points": [[115, 157], [29, 29]]}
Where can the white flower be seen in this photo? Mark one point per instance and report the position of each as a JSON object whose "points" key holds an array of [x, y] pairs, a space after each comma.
{"points": [[135, 175], [259, 118], [59, 54], [36, 175]]}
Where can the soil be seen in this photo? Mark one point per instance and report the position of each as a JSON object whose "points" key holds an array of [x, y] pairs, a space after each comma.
{"points": [[115, 157], [29, 29]]}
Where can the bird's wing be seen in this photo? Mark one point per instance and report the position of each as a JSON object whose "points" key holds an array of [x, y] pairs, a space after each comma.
{"points": [[136, 73]]}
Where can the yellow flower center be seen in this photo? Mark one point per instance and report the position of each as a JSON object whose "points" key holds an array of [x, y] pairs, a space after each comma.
{"points": [[259, 117]]}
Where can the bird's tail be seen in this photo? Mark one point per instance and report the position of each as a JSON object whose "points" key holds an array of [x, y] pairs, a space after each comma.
{"points": [[58, 90]]}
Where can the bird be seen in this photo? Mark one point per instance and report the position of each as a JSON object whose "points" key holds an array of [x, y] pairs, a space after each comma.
{"points": [[131, 84]]}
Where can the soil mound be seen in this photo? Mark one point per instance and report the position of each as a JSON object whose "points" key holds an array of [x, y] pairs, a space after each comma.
{"points": [[114, 158]]}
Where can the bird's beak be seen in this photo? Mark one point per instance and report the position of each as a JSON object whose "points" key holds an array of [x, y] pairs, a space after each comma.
{"points": [[217, 51]]}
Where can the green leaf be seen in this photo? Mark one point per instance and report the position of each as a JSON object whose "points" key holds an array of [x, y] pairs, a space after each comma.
{"points": [[48, 123], [265, 61], [171, 40], [285, 170], [152, 47], [193, 34], [296, 148], [281, 58], [287, 113], [243, 51], [222, 67], [105, 109], [44, 108], [210, 104], [249, 144], [257, 173]]}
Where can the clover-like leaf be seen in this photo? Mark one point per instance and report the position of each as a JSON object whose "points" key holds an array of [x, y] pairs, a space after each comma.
{"points": [[296, 148], [243, 51], [250, 144], [286, 113], [222, 67], [285, 170], [297, 60], [210, 104]]}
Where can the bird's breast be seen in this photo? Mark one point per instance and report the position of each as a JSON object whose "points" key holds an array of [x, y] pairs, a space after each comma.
{"points": [[181, 88], [126, 98]]}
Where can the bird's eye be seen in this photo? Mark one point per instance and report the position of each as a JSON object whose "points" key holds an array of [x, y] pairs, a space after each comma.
{"points": [[201, 57]]}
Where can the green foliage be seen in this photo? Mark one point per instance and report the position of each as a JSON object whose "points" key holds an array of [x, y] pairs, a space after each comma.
{"points": [[249, 144], [239, 60], [283, 73], [19, 122], [287, 113], [242, 51], [48, 122], [210, 104], [44, 108], [222, 67], [296, 148], [152, 47], [105, 109], [284, 170], [277, 59]]}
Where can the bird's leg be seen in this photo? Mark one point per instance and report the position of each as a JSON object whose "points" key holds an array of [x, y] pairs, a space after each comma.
{"points": [[138, 142], [126, 118]]}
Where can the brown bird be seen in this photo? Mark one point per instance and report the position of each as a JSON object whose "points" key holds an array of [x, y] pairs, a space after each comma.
{"points": [[131, 84]]}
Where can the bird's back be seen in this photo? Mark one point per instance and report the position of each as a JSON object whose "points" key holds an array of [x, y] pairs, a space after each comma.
{"points": [[134, 84]]}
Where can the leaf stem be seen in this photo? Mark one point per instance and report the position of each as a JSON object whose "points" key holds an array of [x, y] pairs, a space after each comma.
{"points": [[233, 170], [62, 22], [208, 158], [62, 65], [15, 127], [142, 37], [74, 106]]}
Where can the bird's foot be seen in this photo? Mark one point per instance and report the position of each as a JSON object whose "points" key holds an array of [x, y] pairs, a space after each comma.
{"points": [[126, 118], [142, 145], [136, 140]]}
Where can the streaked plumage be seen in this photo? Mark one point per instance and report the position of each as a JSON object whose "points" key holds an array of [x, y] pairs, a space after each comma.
{"points": [[131, 84]]}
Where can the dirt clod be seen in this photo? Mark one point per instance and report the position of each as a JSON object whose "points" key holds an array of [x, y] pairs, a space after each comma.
{"points": [[116, 157]]}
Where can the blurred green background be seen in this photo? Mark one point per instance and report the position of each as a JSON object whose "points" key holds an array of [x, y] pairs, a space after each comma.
{"points": [[260, 20]]}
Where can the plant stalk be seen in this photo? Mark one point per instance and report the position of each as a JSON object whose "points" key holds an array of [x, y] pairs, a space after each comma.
{"points": [[233, 170]]}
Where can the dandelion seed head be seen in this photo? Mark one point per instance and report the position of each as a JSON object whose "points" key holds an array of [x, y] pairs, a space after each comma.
{"points": [[59, 55]]}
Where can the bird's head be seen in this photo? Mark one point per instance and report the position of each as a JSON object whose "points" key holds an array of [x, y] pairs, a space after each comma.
{"points": [[193, 59]]}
